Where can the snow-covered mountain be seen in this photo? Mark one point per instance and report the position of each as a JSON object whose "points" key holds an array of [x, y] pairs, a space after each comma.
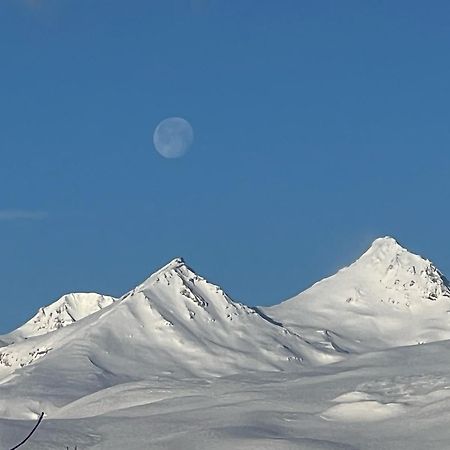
{"points": [[389, 297], [67, 310], [175, 324]]}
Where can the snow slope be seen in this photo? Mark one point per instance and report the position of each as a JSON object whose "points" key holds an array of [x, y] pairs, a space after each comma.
{"points": [[389, 297], [396, 399]]}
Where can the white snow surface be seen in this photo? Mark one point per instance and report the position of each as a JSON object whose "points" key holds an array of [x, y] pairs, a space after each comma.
{"points": [[358, 361]]}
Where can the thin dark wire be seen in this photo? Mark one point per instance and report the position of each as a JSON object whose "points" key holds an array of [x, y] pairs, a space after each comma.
{"points": [[31, 432]]}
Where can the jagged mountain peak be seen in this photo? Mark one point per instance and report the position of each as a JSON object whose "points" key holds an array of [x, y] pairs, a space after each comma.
{"points": [[177, 278], [177, 287], [177, 268], [176, 263], [399, 269]]}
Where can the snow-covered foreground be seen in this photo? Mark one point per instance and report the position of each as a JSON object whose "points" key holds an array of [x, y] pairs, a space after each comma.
{"points": [[396, 399], [176, 364]]}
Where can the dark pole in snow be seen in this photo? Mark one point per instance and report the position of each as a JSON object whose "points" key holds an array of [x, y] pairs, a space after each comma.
{"points": [[31, 432]]}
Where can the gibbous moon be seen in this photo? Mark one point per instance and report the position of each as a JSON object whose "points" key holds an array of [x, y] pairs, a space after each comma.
{"points": [[173, 137]]}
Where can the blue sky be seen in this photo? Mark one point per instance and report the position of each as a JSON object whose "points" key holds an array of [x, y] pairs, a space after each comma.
{"points": [[319, 126]]}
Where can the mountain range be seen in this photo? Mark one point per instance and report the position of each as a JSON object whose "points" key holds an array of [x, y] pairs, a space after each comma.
{"points": [[176, 363], [178, 325]]}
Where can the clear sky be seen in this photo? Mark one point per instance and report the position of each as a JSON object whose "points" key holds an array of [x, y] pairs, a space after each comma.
{"points": [[319, 126]]}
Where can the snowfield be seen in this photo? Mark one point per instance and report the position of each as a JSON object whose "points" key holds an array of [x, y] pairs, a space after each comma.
{"points": [[358, 361]]}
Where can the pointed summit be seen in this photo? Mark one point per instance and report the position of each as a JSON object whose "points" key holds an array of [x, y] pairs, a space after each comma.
{"points": [[177, 278], [386, 252], [174, 264], [388, 297], [176, 268], [383, 247]]}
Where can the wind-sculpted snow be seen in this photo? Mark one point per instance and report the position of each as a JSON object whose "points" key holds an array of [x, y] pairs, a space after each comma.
{"points": [[351, 363], [383, 398]]}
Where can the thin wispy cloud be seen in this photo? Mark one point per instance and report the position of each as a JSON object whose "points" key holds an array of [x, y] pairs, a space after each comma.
{"points": [[21, 214]]}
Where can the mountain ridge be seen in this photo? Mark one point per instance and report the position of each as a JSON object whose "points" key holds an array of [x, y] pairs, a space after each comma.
{"points": [[177, 325]]}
